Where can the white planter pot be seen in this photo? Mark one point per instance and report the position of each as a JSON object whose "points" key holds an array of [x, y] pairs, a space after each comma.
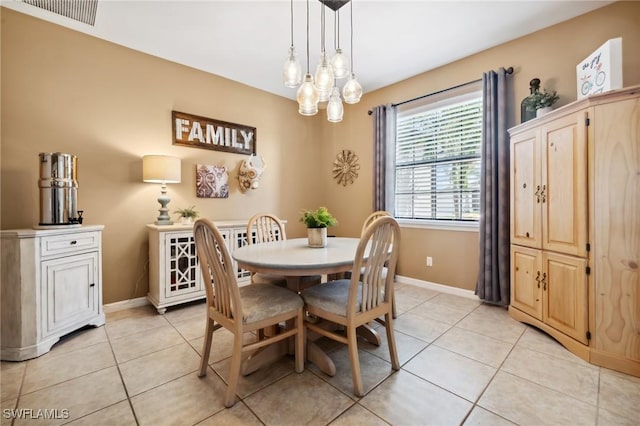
{"points": [[317, 237], [186, 220], [542, 111]]}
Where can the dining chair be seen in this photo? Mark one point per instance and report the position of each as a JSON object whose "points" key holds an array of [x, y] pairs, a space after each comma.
{"points": [[365, 297], [373, 216], [243, 309], [268, 228]]}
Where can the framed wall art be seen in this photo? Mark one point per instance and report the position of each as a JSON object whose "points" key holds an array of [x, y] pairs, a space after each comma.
{"points": [[212, 181]]}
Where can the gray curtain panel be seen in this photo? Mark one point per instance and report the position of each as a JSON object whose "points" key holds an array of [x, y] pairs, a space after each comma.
{"points": [[493, 273], [384, 117]]}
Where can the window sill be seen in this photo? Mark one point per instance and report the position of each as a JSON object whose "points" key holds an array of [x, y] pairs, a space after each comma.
{"points": [[433, 224]]}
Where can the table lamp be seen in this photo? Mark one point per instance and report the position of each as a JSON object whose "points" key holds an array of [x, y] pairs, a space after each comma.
{"points": [[161, 169]]}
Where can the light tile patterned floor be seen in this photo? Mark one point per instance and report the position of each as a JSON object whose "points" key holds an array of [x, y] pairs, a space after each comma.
{"points": [[462, 363]]}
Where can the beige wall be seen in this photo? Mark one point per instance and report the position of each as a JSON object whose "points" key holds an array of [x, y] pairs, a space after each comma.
{"points": [[65, 91], [550, 54]]}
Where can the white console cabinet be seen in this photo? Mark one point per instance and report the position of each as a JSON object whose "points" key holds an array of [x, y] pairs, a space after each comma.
{"points": [[51, 286], [174, 271]]}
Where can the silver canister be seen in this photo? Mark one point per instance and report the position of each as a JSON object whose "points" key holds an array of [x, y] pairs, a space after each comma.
{"points": [[58, 189]]}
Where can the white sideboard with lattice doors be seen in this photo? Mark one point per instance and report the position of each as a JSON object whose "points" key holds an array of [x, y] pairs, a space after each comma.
{"points": [[174, 270]]}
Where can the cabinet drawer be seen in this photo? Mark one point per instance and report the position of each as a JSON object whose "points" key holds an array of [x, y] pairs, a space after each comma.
{"points": [[69, 243]]}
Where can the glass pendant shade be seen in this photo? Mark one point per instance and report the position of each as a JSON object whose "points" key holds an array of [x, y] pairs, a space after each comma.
{"points": [[352, 90], [324, 78], [335, 110], [307, 97], [292, 72], [340, 64]]}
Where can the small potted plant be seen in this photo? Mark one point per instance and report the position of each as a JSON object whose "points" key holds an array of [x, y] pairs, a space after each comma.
{"points": [[317, 222], [542, 102], [187, 215]]}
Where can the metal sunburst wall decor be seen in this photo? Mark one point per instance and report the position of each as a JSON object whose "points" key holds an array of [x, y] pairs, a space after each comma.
{"points": [[345, 167]]}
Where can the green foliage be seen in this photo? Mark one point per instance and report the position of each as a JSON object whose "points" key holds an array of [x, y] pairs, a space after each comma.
{"points": [[540, 100], [320, 218], [188, 212]]}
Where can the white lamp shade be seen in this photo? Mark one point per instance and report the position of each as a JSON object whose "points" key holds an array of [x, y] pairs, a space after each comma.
{"points": [[292, 72], [160, 169], [352, 90], [307, 97], [324, 79], [335, 110], [340, 64]]}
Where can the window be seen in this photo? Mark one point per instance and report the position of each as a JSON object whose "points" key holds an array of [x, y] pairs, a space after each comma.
{"points": [[437, 158]]}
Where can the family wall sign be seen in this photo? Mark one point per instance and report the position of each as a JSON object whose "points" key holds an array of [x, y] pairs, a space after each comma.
{"points": [[201, 132]]}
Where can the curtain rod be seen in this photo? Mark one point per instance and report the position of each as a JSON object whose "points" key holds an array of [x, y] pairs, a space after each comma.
{"points": [[506, 71]]}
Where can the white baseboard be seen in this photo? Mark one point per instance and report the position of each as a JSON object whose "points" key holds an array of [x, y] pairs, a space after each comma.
{"points": [[125, 304], [469, 294]]}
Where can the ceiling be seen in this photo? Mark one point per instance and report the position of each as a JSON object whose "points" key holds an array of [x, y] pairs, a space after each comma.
{"points": [[247, 41]]}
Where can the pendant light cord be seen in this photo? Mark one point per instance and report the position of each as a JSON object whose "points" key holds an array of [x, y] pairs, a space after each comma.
{"points": [[307, 36], [322, 25], [291, 23], [351, 6]]}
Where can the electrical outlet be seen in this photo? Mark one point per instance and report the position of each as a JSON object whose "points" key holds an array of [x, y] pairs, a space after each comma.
{"points": [[429, 261]]}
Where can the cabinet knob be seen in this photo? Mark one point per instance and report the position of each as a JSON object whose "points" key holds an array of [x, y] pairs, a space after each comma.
{"points": [[527, 234], [74, 242], [92, 285]]}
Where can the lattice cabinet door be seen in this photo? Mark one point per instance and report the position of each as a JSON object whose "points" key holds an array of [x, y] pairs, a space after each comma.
{"points": [[183, 270], [240, 240]]}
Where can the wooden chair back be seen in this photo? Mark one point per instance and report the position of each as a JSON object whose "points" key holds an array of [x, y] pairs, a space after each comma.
{"points": [[268, 228], [378, 249], [218, 273], [373, 216]]}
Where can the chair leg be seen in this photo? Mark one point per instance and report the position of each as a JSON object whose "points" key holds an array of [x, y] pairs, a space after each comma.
{"points": [[391, 341], [301, 342], [234, 371], [352, 339], [206, 347], [393, 309]]}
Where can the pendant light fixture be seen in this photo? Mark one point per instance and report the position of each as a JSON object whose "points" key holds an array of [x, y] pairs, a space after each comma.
{"points": [[323, 87], [292, 72], [307, 93], [324, 72], [352, 90], [335, 110], [339, 61]]}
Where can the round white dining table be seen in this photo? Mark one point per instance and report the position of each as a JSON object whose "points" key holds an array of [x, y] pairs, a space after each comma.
{"points": [[294, 258]]}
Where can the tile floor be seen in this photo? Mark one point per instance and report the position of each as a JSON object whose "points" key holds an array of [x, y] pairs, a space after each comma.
{"points": [[462, 363]]}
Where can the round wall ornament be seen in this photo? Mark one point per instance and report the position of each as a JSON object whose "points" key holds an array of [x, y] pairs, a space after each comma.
{"points": [[345, 167]]}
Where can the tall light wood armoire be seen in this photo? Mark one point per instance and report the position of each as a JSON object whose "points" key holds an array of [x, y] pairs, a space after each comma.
{"points": [[575, 227]]}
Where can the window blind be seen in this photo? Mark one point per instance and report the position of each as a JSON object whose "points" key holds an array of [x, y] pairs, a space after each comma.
{"points": [[438, 148]]}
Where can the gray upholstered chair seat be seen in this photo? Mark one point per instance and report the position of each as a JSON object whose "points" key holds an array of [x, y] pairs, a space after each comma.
{"points": [[331, 296], [266, 301]]}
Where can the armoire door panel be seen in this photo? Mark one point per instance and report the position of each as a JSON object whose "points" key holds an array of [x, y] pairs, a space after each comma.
{"points": [[525, 204], [565, 294], [564, 186], [526, 278]]}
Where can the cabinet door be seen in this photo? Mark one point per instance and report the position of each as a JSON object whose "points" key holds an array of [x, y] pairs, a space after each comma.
{"points": [[565, 295], [239, 239], [564, 185], [526, 280], [525, 190], [69, 291], [183, 275]]}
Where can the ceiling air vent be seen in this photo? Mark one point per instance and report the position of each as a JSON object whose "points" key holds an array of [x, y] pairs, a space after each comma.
{"points": [[80, 10]]}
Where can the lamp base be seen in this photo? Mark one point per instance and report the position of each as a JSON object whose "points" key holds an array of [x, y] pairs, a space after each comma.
{"points": [[163, 199]]}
